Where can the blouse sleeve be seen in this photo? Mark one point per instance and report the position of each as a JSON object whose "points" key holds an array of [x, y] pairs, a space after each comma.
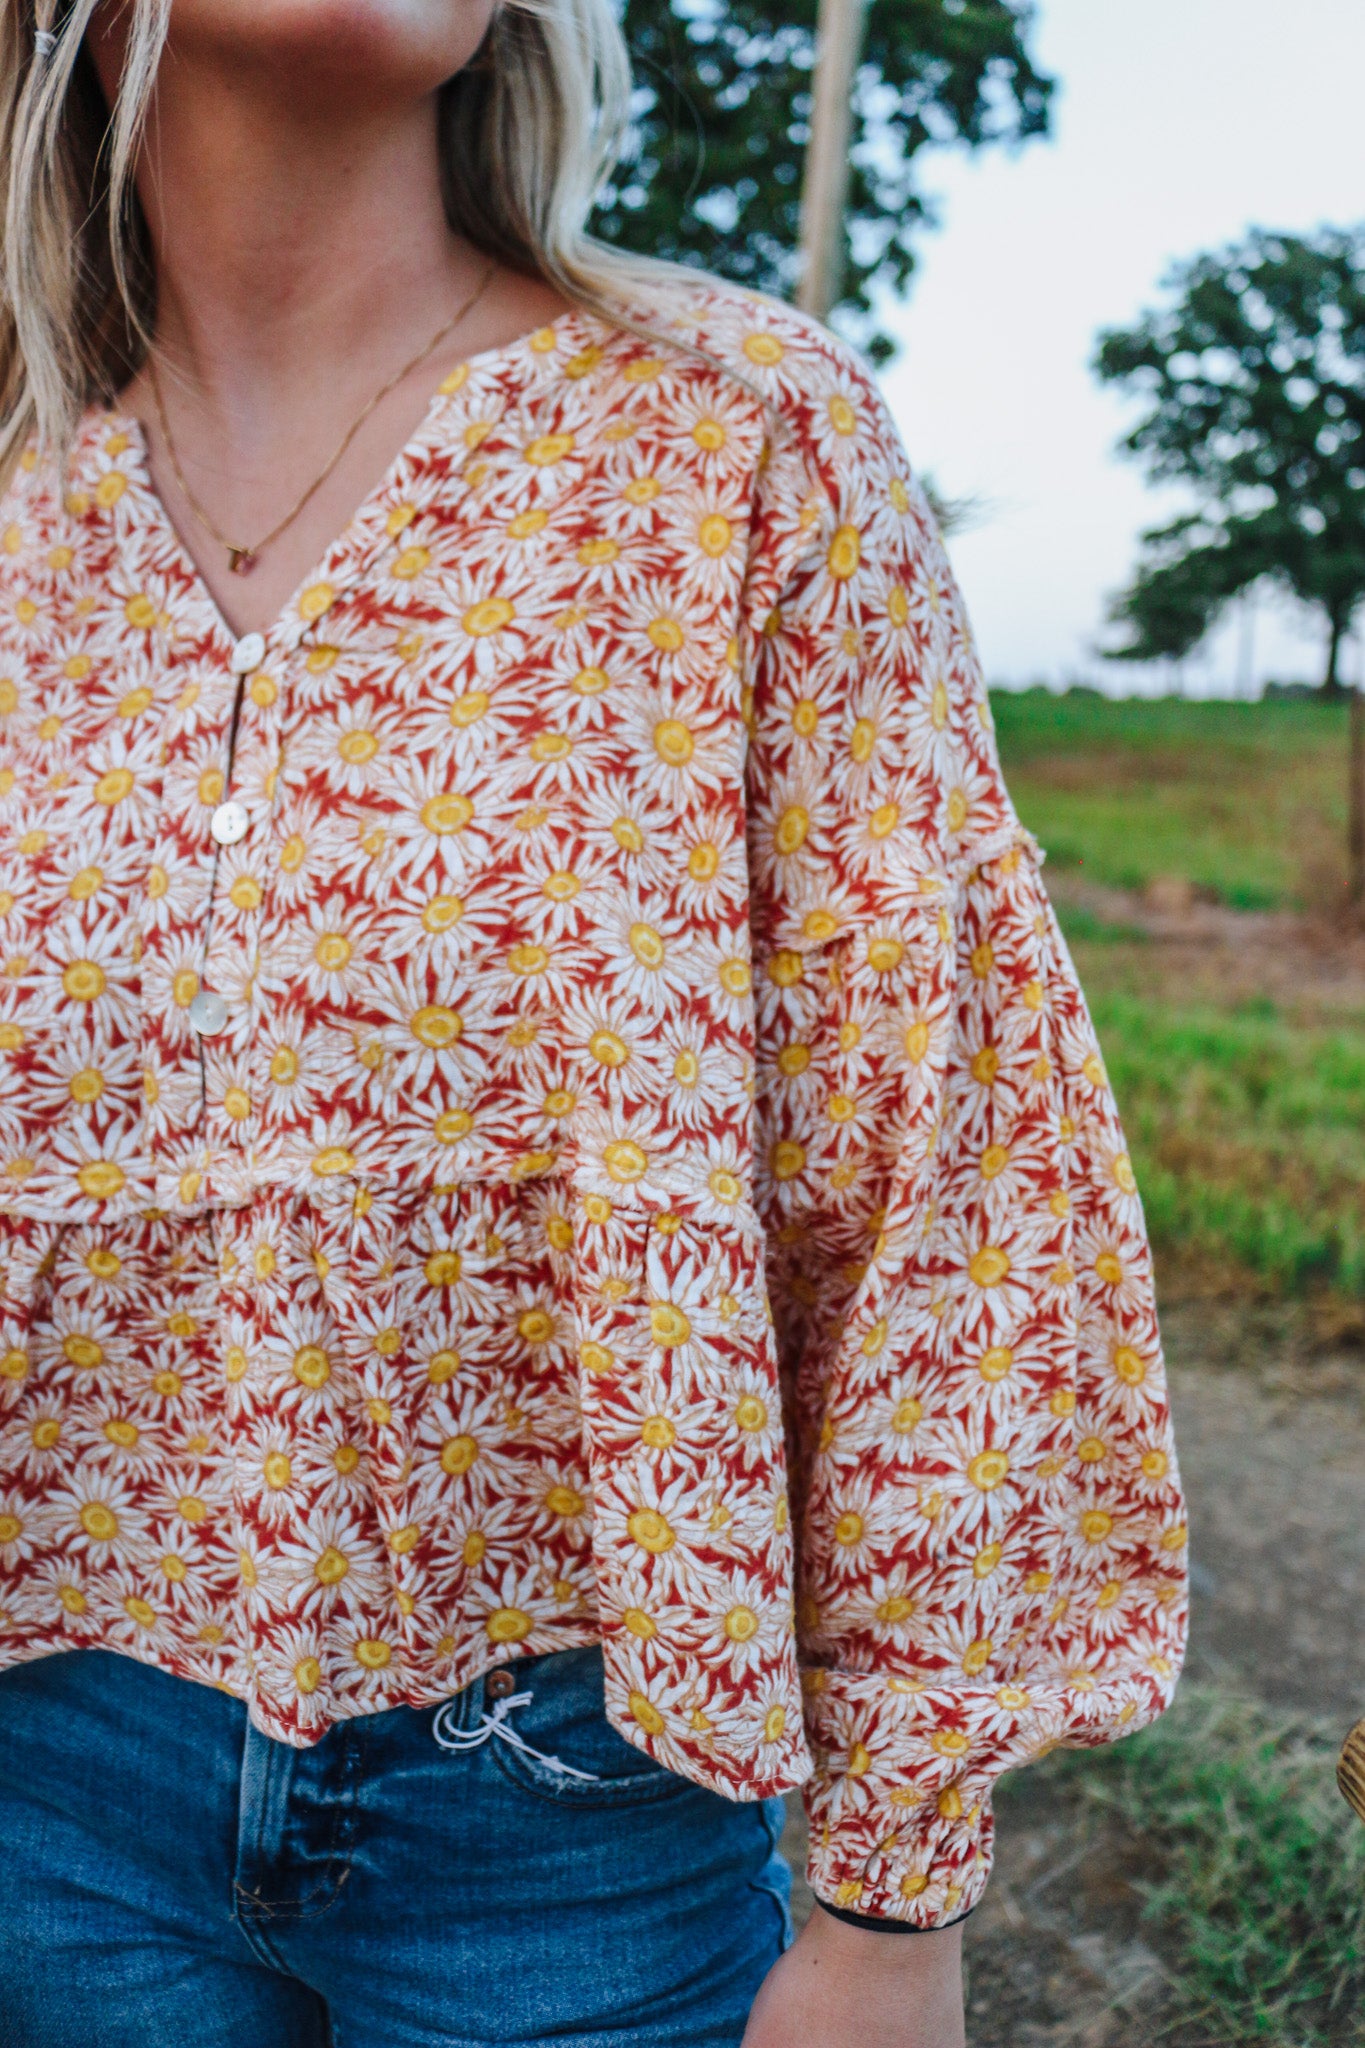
{"points": [[991, 1528]]}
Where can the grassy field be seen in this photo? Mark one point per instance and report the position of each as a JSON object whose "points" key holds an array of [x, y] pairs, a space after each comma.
{"points": [[1248, 801], [1246, 1128], [1243, 1094]]}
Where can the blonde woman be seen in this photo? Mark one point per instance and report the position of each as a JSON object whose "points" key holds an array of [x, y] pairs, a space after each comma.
{"points": [[569, 1267]]}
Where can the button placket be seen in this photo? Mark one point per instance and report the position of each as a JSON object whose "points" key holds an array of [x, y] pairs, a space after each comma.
{"points": [[228, 824], [232, 1058], [175, 921], [243, 819], [226, 1024]]}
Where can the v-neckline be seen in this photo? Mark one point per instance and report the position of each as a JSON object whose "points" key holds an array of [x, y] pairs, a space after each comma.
{"points": [[353, 537]]}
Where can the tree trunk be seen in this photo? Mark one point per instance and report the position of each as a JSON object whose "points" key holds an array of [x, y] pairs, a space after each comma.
{"points": [[1245, 685], [1356, 826], [1331, 682], [839, 41]]}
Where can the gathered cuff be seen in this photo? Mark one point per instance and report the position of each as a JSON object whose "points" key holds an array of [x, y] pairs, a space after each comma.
{"points": [[876, 1924], [923, 1871]]}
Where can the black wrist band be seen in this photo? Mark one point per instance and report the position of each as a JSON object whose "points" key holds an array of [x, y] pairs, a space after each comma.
{"points": [[876, 1926]]}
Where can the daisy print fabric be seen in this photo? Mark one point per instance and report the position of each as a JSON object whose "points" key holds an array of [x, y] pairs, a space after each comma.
{"points": [[544, 1103]]}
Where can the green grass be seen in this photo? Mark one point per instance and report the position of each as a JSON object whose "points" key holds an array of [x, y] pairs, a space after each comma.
{"points": [[1247, 801], [1254, 1869], [1246, 1121], [1246, 1133]]}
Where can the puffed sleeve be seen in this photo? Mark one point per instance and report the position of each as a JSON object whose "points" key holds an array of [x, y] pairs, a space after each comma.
{"points": [[991, 1556]]}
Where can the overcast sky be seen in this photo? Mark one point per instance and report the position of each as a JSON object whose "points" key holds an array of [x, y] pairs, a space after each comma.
{"points": [[1177, 124]]}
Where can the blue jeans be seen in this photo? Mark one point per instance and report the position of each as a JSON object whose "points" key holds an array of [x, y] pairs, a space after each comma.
{"points": [[170, 1878]]}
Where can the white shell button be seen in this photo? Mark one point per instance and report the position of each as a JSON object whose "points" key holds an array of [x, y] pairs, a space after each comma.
{"points": [[208, 1013], [228, 823], [249, 652]]}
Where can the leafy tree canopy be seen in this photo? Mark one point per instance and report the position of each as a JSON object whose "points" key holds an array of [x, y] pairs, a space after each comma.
{"points": [[1254, 375], [713, 176]]}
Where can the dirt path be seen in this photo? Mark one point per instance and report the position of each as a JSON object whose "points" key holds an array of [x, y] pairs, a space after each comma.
{"points": [[1313, 965], [1273, 1447], [1272, 1440]]}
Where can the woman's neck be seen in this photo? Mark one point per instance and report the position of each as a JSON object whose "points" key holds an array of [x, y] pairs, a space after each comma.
{"points": [[302, 256], [293, 255]]}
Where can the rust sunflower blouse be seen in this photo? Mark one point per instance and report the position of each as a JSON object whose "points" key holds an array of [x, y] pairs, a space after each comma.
{"points": [[543, 1102]]}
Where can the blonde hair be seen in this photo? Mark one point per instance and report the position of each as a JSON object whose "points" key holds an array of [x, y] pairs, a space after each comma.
{"points": [[527, 133]]}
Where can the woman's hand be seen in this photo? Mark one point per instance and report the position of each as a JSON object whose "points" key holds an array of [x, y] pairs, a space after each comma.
{"points": [[846, 1987]]}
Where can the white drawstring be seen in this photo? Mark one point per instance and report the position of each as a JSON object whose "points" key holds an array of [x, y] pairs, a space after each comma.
{"points": [[497, 1724]]}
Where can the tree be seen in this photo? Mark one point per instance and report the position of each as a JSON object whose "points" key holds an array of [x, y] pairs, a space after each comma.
{"points": [[713, 172], [1254, 375]]}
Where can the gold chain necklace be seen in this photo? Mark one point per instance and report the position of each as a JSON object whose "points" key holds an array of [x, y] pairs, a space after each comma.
{"points": [[242, 559]]}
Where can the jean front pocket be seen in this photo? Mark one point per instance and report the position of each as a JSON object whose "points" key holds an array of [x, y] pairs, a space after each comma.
{"points": [[559, 1744]]}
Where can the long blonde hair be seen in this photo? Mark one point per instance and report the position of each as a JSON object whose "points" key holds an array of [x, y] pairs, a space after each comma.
{"points": [[527, 133]]}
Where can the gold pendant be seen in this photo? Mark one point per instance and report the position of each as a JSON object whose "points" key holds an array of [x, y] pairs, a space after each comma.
{"points": [[241, 561]]}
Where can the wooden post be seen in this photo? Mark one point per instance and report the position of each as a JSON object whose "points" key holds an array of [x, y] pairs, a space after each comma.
{"points": [[824, 189], [1356, 807]]}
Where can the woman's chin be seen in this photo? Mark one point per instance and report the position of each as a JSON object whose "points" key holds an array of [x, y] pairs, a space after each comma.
{"points": [[403, 42]]}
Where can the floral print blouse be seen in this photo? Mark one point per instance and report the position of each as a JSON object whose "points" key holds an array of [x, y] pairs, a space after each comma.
{"points": [[543, 1103]]}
